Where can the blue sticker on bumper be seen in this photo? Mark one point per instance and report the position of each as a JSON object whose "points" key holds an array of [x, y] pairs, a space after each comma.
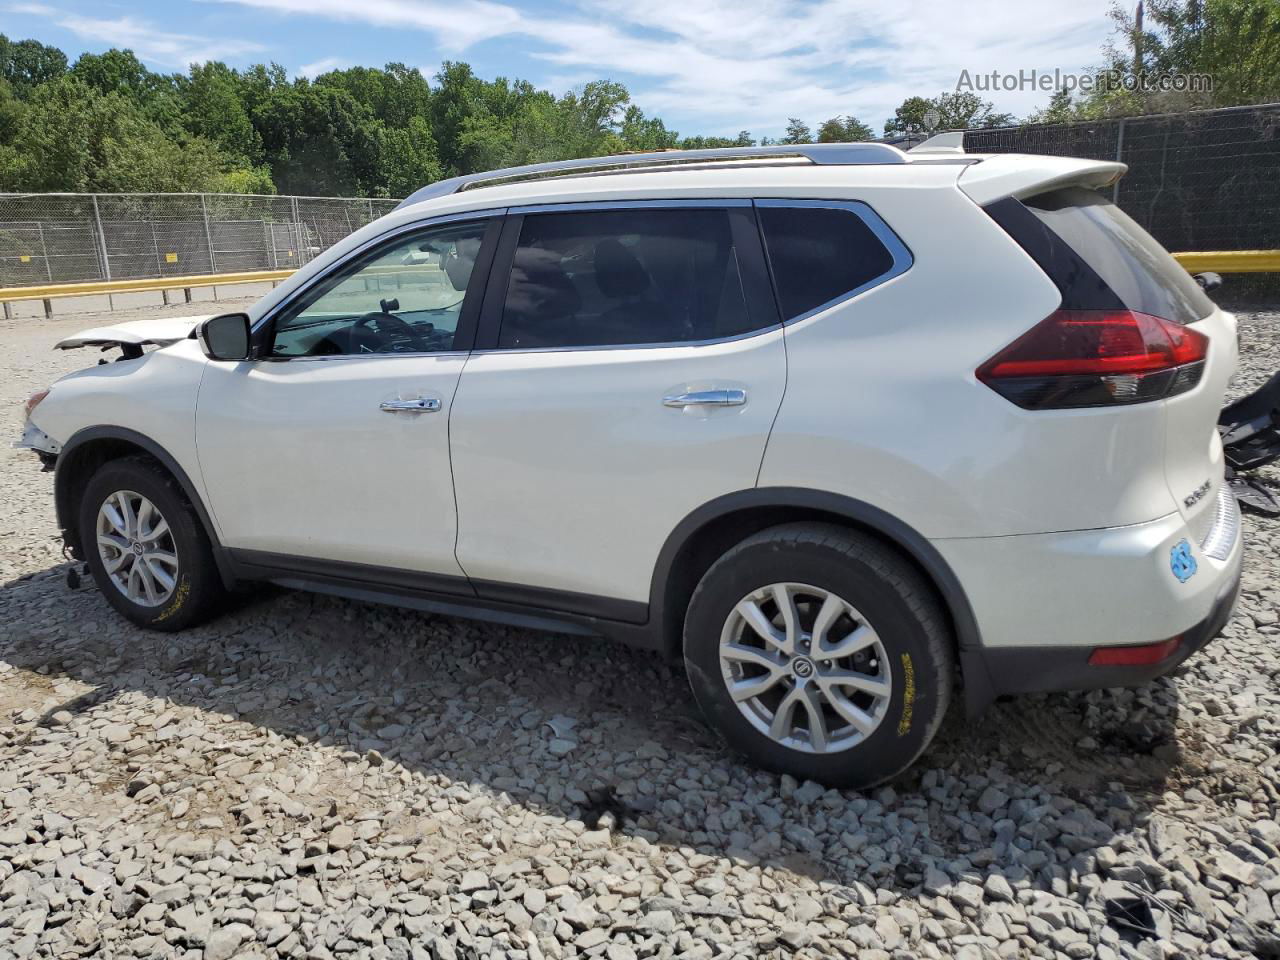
{"points": [[1182, 562]]}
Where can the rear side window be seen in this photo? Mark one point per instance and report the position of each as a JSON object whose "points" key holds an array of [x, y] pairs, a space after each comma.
{"points": [[626, 276], [1125, 257], [820, 254]]}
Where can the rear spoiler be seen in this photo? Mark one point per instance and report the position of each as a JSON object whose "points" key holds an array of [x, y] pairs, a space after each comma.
{"points": [[1024, 175]]}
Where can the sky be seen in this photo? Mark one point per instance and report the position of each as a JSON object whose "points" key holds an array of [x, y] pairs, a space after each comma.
{"points": [[709, 67]]}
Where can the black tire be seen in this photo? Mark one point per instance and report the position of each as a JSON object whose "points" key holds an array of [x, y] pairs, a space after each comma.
{"points": [[197, 590], [893, 598]]}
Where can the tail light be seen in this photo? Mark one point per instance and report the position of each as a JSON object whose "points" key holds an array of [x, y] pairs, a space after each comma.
{"points": [[1097, 358]]}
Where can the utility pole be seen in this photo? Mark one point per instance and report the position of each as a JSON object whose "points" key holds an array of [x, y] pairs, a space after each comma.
{"points": [[1137, 40]]}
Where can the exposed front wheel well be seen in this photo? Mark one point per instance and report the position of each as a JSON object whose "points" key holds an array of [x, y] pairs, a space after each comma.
{"points": [[87, 451], [74, 470]]}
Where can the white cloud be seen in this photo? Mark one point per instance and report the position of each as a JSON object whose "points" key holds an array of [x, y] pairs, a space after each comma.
{"points": [[313, 70], [728, 64], [754, 63], [152, 44]]}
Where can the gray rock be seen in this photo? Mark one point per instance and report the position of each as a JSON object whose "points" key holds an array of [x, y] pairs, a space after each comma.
{"points": [[997, 888], [992, 799], [225, 942], [473, 880]]}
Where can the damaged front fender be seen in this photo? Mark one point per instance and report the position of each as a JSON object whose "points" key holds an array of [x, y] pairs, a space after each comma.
{"points": [[33, 438]]}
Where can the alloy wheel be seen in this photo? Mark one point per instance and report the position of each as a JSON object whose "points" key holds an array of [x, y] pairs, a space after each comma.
{"points": [[137, 548], [805, 668]]}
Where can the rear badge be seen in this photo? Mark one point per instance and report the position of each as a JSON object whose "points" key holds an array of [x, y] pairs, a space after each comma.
{"points": [[1181, 562], [1196, 495]]}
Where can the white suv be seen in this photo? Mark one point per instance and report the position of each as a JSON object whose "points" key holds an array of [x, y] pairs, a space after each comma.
{"points": [[845, 426]]}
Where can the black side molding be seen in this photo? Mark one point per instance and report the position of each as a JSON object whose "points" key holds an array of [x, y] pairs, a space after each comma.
{"points": [[534, 608]]}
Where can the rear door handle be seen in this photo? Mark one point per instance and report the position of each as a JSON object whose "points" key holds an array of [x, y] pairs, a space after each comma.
{"points": [[419, 405], [707, 398]]}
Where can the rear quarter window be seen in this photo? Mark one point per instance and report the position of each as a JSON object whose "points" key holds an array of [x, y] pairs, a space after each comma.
{"points": [[823, 253], [1140, 272]]}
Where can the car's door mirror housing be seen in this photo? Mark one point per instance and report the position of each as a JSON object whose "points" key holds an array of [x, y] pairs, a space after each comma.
{"points": [[225, 337]]}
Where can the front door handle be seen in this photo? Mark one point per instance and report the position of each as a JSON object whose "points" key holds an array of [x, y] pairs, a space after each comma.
{"points": [[707, 398], [419, 405]]}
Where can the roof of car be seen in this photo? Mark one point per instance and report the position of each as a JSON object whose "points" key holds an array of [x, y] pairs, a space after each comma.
{"points": [[806, 156]]}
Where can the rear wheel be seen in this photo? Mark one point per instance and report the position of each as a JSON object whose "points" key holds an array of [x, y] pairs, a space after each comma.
{"points": [[820, 653], [146, 547]]}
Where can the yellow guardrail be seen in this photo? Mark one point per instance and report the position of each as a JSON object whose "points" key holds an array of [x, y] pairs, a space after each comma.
{"points": [[99, 287], [1218, 261], [1231, 261]]}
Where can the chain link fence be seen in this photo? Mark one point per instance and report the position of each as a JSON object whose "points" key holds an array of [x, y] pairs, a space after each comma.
{"points": [[68, 237], [1204, 180]]}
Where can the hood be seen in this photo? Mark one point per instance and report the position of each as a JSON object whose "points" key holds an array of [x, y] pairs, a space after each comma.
{"points": [[160, 332]]}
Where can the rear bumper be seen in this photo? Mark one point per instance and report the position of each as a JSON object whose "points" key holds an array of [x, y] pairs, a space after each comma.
{"points": [[1044, 603], [1012, 670]]}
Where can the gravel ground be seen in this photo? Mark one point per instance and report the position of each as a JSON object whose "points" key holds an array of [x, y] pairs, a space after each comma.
{"points": [[313, 777]]}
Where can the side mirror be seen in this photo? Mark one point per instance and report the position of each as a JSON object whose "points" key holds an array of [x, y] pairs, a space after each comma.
{"points": [[1208, 281], [225, 337]]}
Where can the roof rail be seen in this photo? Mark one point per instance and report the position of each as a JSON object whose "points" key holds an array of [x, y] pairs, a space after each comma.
{"points": [[839, 154]]}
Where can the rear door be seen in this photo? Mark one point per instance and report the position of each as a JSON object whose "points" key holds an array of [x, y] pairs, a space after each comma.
{"points": [[628, 369], [1147, 279]]}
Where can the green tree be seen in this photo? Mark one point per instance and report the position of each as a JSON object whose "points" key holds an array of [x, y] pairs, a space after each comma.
{"points": [[797, 132], [955, 111], [214, 108], [394, 94], [318, 139], [743, 139], [25, 64], [1061, 109], [72, 137], [243, 180], [119, 71], [111, 123], [116, 71], [1235, 43], [847, 129], [909, 116], [407, 158], [459, 94], [644, 134]]}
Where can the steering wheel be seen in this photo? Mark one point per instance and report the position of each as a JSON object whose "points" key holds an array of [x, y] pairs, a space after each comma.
{"points": [[389, 327]]}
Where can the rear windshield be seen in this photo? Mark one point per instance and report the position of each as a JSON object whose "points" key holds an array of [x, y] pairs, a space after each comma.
{"points": [[1136, 268]]}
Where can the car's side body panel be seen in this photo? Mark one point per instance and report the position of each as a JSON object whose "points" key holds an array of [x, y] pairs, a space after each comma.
{"points": [[882, 403]]}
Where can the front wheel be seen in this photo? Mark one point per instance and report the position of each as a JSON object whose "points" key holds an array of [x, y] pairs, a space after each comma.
{"points": [[820, 653], [146, 547]]}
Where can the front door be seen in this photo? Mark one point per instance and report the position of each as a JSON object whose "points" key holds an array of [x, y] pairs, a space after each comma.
{"points": [[334, 445], [629, 367]]}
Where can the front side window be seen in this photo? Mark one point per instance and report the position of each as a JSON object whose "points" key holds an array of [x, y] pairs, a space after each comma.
{"points": [[820, 254], [625, 276], [405, 297]]}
